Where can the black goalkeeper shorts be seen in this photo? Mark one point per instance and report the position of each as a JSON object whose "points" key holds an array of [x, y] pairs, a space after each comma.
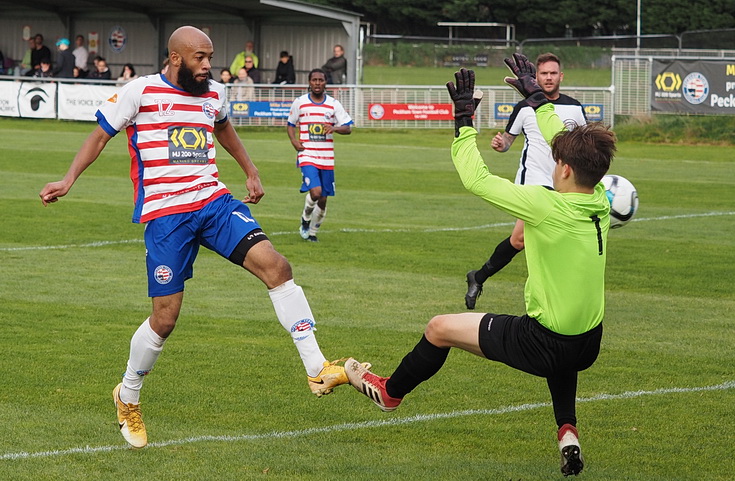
{"points": [[524, 344]]}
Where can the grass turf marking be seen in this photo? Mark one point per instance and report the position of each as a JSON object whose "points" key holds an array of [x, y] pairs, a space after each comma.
{"points": [[350, 230], [363, 425]]}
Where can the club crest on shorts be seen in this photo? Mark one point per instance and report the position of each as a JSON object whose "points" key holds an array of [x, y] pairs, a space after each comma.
{"points": [[163, 274]]}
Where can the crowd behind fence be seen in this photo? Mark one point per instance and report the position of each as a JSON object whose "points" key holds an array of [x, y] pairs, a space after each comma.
{"points": [[371, 106], [418, 106]]}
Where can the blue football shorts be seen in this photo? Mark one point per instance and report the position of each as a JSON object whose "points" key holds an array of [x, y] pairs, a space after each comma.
{"points": [[172, 242], [314, 177]]}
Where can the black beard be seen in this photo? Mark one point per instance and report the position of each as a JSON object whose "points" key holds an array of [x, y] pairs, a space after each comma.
{"points": [[187, 81]]}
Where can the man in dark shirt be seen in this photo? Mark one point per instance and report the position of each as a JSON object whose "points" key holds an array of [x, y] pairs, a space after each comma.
{"points": [[64, 60], [41, 52], [336, 67]]}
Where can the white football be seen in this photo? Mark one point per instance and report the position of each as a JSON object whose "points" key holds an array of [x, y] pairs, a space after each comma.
{"points": [[623, 199]]}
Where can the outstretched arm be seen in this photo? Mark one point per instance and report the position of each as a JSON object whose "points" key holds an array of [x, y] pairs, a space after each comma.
{"points": [[88, 153], [524, 81], [229, 139]]}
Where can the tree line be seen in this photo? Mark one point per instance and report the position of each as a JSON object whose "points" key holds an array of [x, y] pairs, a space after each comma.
{"points": [[537, 18]]}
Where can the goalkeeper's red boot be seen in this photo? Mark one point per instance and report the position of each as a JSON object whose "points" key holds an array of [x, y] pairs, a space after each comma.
{"points": [[572, 461]]}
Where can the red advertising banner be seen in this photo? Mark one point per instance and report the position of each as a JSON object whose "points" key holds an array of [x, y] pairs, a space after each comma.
{"points": [[410, 112]]}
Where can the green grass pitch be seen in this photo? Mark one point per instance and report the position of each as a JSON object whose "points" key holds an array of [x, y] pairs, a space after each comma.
{"points": [[228, 398]]}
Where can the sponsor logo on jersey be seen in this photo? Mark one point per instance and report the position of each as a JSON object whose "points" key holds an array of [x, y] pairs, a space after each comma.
{"points": [[187, 145], [317, 133], [163, 274], [113, 99]]}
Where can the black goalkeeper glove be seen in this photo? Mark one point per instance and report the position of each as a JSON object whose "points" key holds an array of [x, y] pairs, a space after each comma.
{"points": [[465, 98], [525, 80]]}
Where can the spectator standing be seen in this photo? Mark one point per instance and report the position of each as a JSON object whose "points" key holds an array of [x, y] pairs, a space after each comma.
{"points": [[127, 74], [64, 60], [239, 61], [40, 52], [319, 116], [81, 56], [336, 67], [285, 73]]}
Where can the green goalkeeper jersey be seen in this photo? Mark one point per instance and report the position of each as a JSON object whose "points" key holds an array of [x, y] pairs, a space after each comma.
{"points": [[565, 241]]}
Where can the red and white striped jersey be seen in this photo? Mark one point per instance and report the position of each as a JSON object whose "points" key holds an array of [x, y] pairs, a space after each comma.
{"points": [[311, 117], [171, 144]]}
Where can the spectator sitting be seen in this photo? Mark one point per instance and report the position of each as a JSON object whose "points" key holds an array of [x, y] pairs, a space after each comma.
{"points": [[225, 76], [64, 60], [101, 72], [336, 67], [253, 71], [127, 74], [285, 73], [81, 56], [244, 89], [44, 69], [26, 65]]}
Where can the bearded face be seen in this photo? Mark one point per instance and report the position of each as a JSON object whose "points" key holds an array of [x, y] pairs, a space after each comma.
{"points": [[190, 83]]}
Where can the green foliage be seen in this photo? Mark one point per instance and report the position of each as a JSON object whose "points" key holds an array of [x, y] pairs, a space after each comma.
{"points": [[677, 129], [417, 54], [383, 75], [228, 398], [538, 19]]}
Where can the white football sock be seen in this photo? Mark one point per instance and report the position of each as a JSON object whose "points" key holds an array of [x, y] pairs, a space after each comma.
{"points": [[145, 346], [294, 313], [316, 219], [309, 205]]}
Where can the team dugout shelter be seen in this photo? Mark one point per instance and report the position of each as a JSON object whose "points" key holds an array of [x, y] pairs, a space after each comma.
{"points": [[137, 31]]}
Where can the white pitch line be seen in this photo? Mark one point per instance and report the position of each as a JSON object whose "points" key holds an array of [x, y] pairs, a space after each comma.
{"points": [[372, 231], [362, 425]]}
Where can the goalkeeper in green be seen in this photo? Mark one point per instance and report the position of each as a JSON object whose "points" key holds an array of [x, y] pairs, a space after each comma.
{"points": [[566, 244]]}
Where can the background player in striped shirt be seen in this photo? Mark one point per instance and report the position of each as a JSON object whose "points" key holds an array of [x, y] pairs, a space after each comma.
{"points": [[536, 164], [171, 120], [318, 116]]}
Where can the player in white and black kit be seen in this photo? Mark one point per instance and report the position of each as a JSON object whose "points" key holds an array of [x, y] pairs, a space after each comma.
{"points": [[536, 163], [171, 120]]}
